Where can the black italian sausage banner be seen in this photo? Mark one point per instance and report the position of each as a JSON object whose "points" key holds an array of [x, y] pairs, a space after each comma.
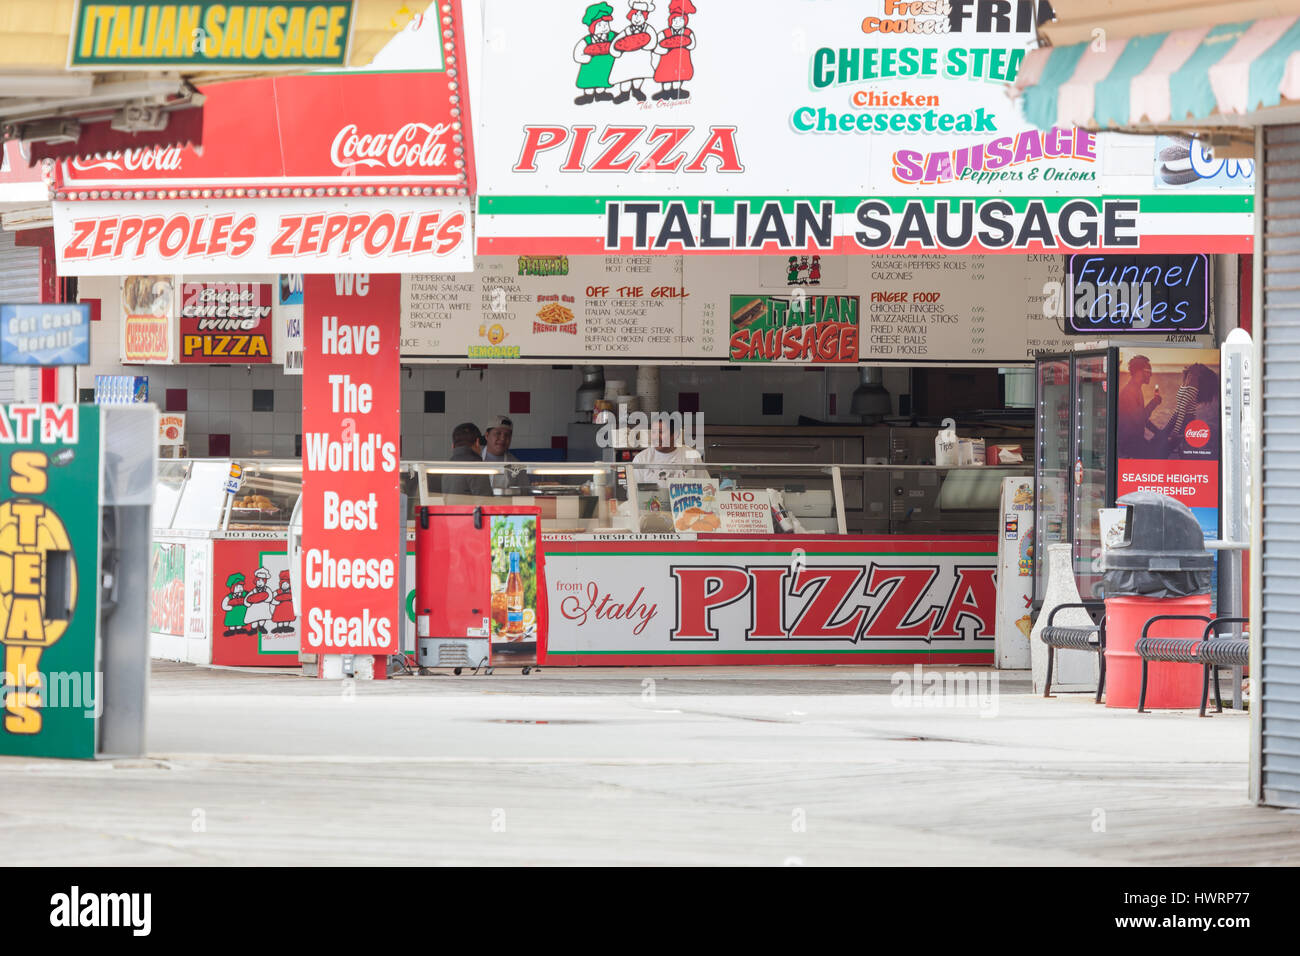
{"points": [[708, 127]]}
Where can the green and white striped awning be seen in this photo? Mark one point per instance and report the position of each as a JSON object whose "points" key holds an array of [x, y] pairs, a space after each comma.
{"points": [[1217, 75]]}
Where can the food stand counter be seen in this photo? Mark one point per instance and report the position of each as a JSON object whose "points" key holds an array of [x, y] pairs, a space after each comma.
{"points": [[761, 571], [220, 572], [737, 563]]}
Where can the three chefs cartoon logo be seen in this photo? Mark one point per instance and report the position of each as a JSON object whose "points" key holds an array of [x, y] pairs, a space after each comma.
{"points": [[614, 66], [30, 533], [260, 610]]}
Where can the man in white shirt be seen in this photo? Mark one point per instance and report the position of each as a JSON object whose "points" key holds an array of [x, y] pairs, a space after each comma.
{"points": [[496, 447], [656, 462]]}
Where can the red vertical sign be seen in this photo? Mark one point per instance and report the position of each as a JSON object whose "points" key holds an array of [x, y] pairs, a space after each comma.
{"points": [[351, 425]]}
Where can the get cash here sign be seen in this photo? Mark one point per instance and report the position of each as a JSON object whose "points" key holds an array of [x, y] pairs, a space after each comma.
{"points": [[880, 127]]}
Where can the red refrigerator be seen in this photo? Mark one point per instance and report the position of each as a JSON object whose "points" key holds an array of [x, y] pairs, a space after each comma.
{"points": [[480, 595]]}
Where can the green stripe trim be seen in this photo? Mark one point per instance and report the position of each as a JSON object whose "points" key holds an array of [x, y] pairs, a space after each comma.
{"points": [[595, 206], [850, 650], [1190, 91], [784, 554], [1111, 92], [1269, 68]]}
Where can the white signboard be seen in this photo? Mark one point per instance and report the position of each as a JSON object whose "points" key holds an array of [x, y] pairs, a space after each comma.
{"points": [[629, 309], [318, 235], [745, 511], [171, 428], [749, 598], [881, 126]]}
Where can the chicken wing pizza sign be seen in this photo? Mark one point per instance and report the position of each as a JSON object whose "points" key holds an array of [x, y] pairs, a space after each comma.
{"points": [[750, 601], [884, 126]]}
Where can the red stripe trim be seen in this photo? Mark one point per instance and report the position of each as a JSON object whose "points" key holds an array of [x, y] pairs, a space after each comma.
{"points": [[844, 245], [720, 660]]}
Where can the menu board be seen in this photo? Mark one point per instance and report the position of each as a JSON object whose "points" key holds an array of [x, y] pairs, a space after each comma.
{"points": [[977, 309], [555, 308]]}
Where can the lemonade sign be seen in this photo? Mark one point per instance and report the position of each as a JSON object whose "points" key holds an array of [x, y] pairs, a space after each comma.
{"points": [[49, 528]]}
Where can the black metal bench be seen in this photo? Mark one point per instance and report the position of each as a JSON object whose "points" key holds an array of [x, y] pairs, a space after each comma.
{"points": [[1077, 638], [1208, 651]]}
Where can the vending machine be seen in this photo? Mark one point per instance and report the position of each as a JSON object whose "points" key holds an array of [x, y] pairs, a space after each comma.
{"points": [[480, 594], [1115, 420]]}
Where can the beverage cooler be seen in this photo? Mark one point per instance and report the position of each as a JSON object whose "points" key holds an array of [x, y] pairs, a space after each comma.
{"points": [[480, 592], [1115, 420]]}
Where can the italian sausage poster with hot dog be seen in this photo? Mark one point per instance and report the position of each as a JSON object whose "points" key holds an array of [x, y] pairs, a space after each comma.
{"points": [[794, 328]]}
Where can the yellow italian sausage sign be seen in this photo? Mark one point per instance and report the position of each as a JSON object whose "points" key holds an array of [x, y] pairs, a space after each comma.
{"points": [[257, 34]]}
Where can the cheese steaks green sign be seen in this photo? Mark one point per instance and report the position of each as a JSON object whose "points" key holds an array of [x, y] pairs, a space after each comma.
{"points": [[49, 546]]}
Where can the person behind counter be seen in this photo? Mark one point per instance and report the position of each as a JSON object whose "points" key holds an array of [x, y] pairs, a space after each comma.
{"points": [[664, 451], [467, 445], [496, 447]]}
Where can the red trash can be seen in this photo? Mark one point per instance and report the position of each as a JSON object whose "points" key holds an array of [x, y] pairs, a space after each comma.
{"points": [[1169, 686]]}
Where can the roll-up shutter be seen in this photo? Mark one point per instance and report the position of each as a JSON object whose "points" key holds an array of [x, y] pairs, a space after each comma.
{"points": [[20, 281], [1278, 684]]}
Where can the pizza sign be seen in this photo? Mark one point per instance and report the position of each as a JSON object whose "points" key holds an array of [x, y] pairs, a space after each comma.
{"points": [[226, 323]]}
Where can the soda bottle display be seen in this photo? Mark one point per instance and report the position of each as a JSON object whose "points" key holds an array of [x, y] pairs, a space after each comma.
{"points": [[514, 601]]}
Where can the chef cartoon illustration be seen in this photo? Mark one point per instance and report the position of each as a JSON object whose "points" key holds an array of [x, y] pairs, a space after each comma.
{"points": [[815, 271], [674, 51], [233, 605], [634, 53], [593, 55], [259, 604], [283, 615]]}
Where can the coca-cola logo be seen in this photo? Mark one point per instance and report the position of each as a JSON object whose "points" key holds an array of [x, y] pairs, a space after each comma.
{"points": [[414, 145], [151, 159], [1197, 434]]}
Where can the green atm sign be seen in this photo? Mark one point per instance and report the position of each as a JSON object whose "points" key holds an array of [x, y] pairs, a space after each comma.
{"points": [[49, 563], [260, 34]]}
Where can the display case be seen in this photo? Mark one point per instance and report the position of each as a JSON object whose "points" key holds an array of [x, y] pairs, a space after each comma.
{"points": [[747, 497], [1074, 461]]}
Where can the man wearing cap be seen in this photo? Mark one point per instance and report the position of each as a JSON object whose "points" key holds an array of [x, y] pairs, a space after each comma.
{"points": [[633, 52], [593, 56], [259, 603], [1133, 411], [467, 445], [496, 447]]}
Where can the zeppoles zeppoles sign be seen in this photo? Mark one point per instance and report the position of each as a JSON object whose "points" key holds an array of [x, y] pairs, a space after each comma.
{"points": [[374, 234]]}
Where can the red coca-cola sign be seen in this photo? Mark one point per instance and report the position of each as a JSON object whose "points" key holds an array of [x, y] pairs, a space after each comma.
{"points": [[150, 159], [1197, 434], [415, 146]]}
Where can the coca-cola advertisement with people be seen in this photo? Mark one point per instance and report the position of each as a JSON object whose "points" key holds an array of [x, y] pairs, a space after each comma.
{"points": [[1167, 427]]}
